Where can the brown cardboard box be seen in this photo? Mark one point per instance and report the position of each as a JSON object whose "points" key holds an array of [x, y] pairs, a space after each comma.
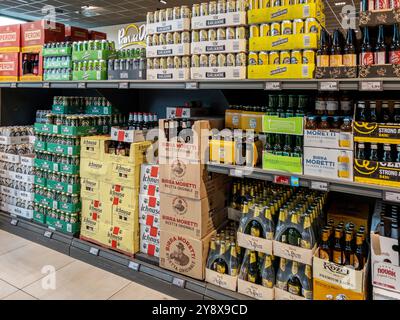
{"points": [[188, 180], [96, 35], [195, 218], [76, 34], [35, 34], [183, 254]]}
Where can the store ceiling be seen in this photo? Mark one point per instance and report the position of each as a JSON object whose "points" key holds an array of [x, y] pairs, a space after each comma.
{"points": [[112, 12]]}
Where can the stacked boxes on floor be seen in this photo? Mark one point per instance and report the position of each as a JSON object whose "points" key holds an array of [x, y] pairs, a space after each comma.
{"points": [[110, 192], [10, 46], [149, 210], [192, 201], [16, 171]]}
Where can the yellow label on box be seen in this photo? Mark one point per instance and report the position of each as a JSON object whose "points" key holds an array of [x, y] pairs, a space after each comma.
{"points": [[285, 42], [125, 217], [222, 151], [327, 291], [282, 71], [90, 188], [91, 147], [119, 195], [90, 228], [94, 169], [97, 210]]}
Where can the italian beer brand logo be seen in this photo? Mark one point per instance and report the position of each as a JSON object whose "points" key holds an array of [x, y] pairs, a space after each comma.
{"points": [[123, 169], [132, 35], [179, 205], [365, 128], [178, 169], [8, 37], [90, 143], [7, 66], [180, 254], [32, 35], [366, 167], [334, 268], [387, 272], [95, 165]]}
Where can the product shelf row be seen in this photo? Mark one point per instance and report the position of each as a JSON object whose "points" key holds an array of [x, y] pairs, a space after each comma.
{"points": [[271, 85], [140, 269], [359, 189]]}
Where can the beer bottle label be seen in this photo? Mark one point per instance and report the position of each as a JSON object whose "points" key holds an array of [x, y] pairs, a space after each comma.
{"points": [[380, 57], [281, 285], [323, 255], [267, 283], [308, 294], [336, 60], [305, 244], [367, 58], [337, 257], [269, 236], [294, 289], [323, 61], [394, 57], [350, 60]]}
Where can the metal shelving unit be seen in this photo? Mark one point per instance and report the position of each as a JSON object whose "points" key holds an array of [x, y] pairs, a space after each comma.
{"points": [[140, 269], [318, 183], [312, 84]]}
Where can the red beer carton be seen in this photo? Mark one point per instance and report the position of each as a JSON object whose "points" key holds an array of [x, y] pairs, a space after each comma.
{"points": [[31, 66], [76, 34], [10, 38], [9, 66], [96, 35], [35, 34]]}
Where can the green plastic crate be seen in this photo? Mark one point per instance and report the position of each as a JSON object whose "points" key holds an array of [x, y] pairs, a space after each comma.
{"points": [[63, 226], [46, 128], [39, 217], [40, 145], [63, 149], [100, 110], [63, 186], [40, 181]]}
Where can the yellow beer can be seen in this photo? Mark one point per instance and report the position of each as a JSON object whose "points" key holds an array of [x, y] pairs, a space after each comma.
{"points": [[274, 57], [296, 57], [254, 4], [263, 58], [253, 58], [265, 30], [311, 25], [284, 57], [308, 57], [264, 4], [254, 31], [275, 29], [298, 26], [287, 27]]}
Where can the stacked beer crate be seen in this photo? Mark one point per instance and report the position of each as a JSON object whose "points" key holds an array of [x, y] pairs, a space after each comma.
{"points": [[192, 201], [149, 210], [16, 171], [168, 44], [110, 173]]}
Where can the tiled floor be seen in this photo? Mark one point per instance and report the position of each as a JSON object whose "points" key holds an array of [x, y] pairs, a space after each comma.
{"points": [[32, 272]]}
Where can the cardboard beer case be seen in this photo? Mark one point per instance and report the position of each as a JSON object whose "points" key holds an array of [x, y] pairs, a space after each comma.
{"points": [[150, 240], [10, 38], [149, 210]]}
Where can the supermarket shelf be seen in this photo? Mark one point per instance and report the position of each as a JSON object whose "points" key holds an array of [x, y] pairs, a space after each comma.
{"points": [[312, 84], [141, 269], [361, 189]]}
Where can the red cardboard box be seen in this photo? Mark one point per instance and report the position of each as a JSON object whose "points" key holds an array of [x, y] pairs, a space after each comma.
{"points": [[35, 34], [76, 34], [10, 38], [9, 66], [25, 73], [95, 35]]}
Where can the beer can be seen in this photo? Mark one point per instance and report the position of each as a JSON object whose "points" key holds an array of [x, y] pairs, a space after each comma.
{"points": [[221, 6], [254, 4], [149, 40], [150, 17], [185, 37], [287, 27], [162, 38], [90, 65], [169, 12], [308, 57], [177, 38], [185, 12], [212, 60], [265, 30], [169, 39], [196, 10], [195, 61], [241, 59], [284, 57], [230, 60], [221, 60], [156, 63], [254, 31], [177, 62], [221, 34], [150, 64], [212, 35], [264, 4], [231, 6], [177, 13], [156, 40], [204, 9], [203, 61], [276, 3], [253, 58], [240, 33], [212, 7], [311, 25], [162, 15], [195, 36], [275, 29], [263, 58], [274, 57], [156, 16], [230, 33], [186, 62], [203, 35], [170, 62], [298, 26], [241, 5], [296, 57]]}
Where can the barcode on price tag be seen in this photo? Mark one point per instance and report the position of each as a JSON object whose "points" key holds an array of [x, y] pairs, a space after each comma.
{"points": [[371, 86], [94, 251], [328, 86], [236, 173], [178, 282], [46, 85], [81, 85], [273, 85], [191, 85], [318, 185], [392, 196], [133, 265], [123, 85], [13, 85]]}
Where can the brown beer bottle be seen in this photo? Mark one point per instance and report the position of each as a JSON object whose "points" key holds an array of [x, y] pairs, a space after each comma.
{"points": [[337, 247], [359, 255], [323, 51], [366, 55], [350, 56], [380, 49], [348, 250], [325, 252], [394, 53], [336, 57]]}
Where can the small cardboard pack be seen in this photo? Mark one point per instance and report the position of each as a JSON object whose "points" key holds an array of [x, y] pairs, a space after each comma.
{"points": [[150, 240]]}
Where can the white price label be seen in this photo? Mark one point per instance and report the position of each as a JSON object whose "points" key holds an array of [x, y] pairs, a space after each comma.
{"points": [[236, 173], [191, 85], [13, 85], [318, 185], [46, 85], [133, 265], [178, 282], [48, 234], [371, 86], [392, 196], [273, 85], [14, 222], [328, 86], [123, 85], [82, 85], [94, 251]]}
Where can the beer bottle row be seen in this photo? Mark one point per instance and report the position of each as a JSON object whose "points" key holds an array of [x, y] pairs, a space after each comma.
{"points": [[344, 244], [262, 4], [387, 112], [181, 128], [284, 145], [142, 121], [286, 106], [30, 63], [371, 5], [328, 104], [329, 123], [119, 148], [378, 152], [389, 221]]}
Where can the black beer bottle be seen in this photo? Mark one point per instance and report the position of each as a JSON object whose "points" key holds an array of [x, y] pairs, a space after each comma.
{"points": [[366, 55], [380, 49], [336, 57], [350, 56], [394, 53]]}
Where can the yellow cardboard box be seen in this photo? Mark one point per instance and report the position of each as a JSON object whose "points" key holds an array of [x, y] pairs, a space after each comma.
{"points": [[304, 41], [119, 195], [91, 147], [282, 71], [123, 174], [90, 188], [97, 210], [90, 228], [119, 238], [137, 153], [94, 169], [125, 217]]}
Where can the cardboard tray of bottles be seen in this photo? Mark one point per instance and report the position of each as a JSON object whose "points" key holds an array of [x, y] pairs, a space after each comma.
{"points": [[336, 72], [135, 74], [220, 20], [68, 130], [56, 224], [284, 42], [288, 12], [57, 52], [379, 71], [168, 26], [169, 50], [219, 73], [57, 77], [281, 71], [92, 55], [130, 136], [168, 74], [219, 46], [63, 64], [381, 17], [15, 211], [90, 75]]}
